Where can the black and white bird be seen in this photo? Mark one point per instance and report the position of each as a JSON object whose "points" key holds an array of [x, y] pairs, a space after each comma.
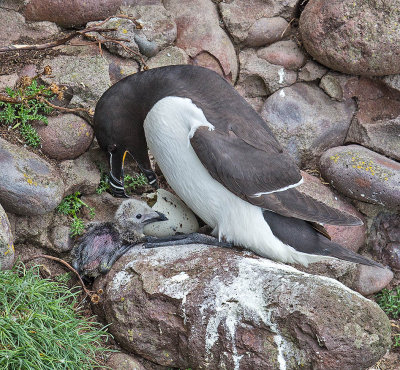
{"points": [[222, 160]]}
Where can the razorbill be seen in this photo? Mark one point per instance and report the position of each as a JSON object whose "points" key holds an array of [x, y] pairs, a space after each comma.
{"points": [[221, 159]]}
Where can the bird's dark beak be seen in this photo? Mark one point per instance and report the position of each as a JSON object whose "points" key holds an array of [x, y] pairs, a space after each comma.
{"points": [[153, 217], [116, 179]]}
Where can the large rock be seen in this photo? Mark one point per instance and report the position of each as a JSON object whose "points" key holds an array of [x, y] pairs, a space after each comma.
{"points": [[362, 174], [29, 185], [6, 242], [240, 17], [70, 13], [306, 122], [66, 136], [353, 36], [88, 76], [200, 35], [207, 307]]}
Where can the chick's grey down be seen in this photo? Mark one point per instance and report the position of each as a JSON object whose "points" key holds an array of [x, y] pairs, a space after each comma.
{"points": [[221, 159]]}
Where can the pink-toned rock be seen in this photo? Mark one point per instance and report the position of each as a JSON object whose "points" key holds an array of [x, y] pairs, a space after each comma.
{"points": [[8, 81], [370, 279], [265, 31], [66, 136], [70, 13], [351, 237], [353, 36], [283, 53], [362, 174], [199, 32], [122, 361], [206, 307]]}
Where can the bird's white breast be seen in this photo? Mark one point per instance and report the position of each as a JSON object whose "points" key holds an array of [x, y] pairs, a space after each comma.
{"points": [[168, 128]]}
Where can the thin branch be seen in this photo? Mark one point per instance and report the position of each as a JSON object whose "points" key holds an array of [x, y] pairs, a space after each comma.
{"points": [[55, 43], [66, 109], [94, 297]]}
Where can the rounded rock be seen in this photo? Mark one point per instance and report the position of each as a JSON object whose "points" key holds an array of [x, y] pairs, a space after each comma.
{"points": [[66, 136], [283, 53], [29, 185], [265, 31], [69, 13], [306, 121], [353, 36], [362, 174], [371, 279], [7, 254]]}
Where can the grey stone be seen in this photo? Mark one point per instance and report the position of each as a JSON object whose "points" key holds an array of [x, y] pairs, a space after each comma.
{"points": [[362, 174], [7, 253], [353, 36], [29, 185], [66, 136], [240, 17], [88, 76], [311, 71], [382, 136], [10, 20], [61, 239], [254, 69], [8, 81], [198, 307], [307, 122], [265, 31], [80, 174], [171, 55], [283, 53]]}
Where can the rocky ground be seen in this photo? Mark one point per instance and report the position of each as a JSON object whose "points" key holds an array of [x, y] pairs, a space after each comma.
{"points": [[325, 75]]}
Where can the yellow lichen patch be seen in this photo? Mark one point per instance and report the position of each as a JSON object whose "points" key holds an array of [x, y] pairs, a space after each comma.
{"points": [[10, 249], [335, 157], [124, 31], [29, 180], [370, 166]]}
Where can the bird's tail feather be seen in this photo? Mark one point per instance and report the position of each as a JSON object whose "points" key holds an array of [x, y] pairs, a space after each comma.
{"points": [[332, 249]]}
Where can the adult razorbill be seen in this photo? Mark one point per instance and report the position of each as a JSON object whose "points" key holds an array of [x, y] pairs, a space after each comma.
{"points": [[220, 157]]}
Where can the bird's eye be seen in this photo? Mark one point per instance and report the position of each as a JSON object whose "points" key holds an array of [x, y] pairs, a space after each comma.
{"points": [[139, 216]]}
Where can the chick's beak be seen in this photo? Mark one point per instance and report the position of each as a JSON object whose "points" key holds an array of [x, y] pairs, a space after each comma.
{"points": [[153, 217]]}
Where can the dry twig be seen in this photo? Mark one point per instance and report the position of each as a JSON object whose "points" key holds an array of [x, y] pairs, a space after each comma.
{"points": [[93, 297]]}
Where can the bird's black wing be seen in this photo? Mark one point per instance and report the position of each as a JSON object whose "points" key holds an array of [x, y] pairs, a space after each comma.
{"points": [[248, 166]]}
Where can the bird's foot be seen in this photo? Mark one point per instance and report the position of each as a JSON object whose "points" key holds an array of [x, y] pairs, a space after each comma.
{"points": [[184, 239]]}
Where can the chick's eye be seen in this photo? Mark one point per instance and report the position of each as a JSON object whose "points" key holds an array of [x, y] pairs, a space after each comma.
{"points": [[139, 216]]}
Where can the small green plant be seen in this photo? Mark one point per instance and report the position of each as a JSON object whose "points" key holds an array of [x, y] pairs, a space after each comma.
{"points": [[40, 326], [26, 107], [389, 301], [71, 205], [132, 182], [104, 185]]}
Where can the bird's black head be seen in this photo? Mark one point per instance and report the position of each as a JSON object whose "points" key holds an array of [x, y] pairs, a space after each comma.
{"points": [[118, 127]]}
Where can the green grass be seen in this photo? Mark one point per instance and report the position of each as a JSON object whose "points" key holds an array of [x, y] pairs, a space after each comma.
{"points": [[71, 205], [40, 327], [131, 183], [28, 109], [389, 301]]}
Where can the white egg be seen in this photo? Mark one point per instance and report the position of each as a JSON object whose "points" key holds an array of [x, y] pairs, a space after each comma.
{"points": [[180, 218]]}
